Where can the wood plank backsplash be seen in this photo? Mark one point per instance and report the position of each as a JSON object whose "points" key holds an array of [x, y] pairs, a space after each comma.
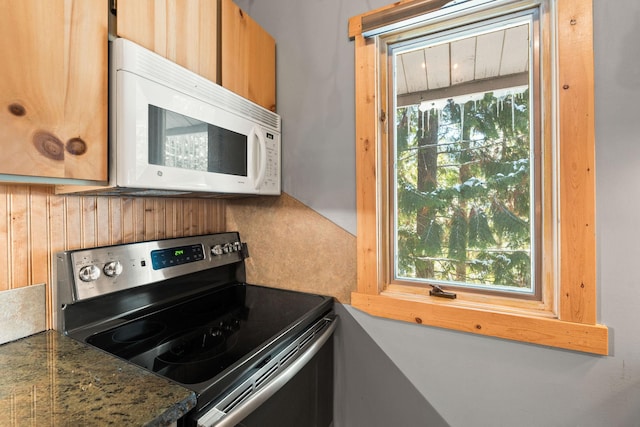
{"points": [[35, 223]]}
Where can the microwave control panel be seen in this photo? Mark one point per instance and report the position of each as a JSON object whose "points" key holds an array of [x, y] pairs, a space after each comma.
{"points": [[271, 184]]}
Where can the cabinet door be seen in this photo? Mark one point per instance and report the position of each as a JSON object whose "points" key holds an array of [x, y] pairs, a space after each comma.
{"points": [[184, 31], [53, 88], [248, 57]]}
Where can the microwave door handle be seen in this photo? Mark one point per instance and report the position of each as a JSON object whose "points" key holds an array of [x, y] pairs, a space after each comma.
{"points": [[262, 157]]}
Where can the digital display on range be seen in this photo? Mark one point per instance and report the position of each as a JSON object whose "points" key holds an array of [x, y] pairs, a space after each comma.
{"points": [[163, 258]]}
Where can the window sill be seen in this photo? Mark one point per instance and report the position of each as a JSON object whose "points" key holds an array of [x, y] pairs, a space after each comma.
{"points": [[451, 314]]}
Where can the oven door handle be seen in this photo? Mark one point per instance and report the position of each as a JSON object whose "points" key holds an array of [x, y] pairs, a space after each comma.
{"points": [[231, 419]]}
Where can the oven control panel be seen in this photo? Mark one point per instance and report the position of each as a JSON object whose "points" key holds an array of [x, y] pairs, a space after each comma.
{"points": [[88, 273], [164, 258]]}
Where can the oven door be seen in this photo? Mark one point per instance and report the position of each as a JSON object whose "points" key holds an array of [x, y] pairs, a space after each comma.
{"points": [[292, 388]]}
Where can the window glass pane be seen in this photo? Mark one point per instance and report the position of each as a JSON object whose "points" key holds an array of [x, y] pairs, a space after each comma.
{"points": [[464, 173]]}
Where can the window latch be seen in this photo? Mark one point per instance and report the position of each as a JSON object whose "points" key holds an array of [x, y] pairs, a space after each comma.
{"points": [[437, 291]]}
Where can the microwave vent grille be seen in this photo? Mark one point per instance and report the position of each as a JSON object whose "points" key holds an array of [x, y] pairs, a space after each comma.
{"points": [[154, 67]]}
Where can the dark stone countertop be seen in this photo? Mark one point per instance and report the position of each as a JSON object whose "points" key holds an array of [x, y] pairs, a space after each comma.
{"points": [[49, 379]]}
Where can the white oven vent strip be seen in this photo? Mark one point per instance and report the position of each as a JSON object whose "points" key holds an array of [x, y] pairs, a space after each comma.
{"points": [[219, 414], [154, 67]]}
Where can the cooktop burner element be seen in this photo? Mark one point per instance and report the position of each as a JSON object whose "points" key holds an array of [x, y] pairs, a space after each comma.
{"points": [[194, 356], [137, 331], [195, 321], [194, 346]]}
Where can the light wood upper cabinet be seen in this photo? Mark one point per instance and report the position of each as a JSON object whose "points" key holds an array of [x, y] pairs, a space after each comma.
{"points": [[53, 88], [213, 38], [248, 57], [184, 31]]}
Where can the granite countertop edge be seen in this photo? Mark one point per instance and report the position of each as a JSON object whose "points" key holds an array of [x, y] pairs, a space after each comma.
{"points": [[52, 379]]}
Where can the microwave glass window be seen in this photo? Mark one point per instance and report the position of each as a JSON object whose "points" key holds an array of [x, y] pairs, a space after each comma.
{"points": [[183, 142]]}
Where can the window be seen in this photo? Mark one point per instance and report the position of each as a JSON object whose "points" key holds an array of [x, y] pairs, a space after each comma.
{"points": [[464, 150], [475, 154]]}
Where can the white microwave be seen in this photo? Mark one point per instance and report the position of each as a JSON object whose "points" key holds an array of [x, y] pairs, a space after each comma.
{"points": [[175, 133]]}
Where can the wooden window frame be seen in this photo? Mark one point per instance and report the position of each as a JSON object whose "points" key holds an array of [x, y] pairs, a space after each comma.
{"points": [[571, 322]]}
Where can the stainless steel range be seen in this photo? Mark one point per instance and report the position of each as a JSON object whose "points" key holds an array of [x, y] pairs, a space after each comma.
{"points": [[254, 355]]}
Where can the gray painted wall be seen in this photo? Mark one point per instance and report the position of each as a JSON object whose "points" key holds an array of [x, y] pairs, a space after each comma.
{"points": [[432, 376]]}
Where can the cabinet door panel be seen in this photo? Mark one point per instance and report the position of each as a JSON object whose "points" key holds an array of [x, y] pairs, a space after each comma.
{"points": [[184, 31], [249, 57], [53, 88], [144, 22]]}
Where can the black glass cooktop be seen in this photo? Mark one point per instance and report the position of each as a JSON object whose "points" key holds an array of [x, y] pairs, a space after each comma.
{"points": [[194, 341]]}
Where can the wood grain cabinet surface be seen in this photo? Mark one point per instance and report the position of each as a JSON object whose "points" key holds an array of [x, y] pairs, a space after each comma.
{"points": [[53, 88], [184, 31], [248, 57], [213, 38], [54, 84]]}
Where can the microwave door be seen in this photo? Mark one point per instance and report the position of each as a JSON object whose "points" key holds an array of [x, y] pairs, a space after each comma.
{"points": [[178, 141], [227, 152]]}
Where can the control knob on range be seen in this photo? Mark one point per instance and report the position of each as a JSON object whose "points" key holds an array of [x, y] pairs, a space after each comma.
{"points": [[216, 250], [112, 268], [89, 273]]}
